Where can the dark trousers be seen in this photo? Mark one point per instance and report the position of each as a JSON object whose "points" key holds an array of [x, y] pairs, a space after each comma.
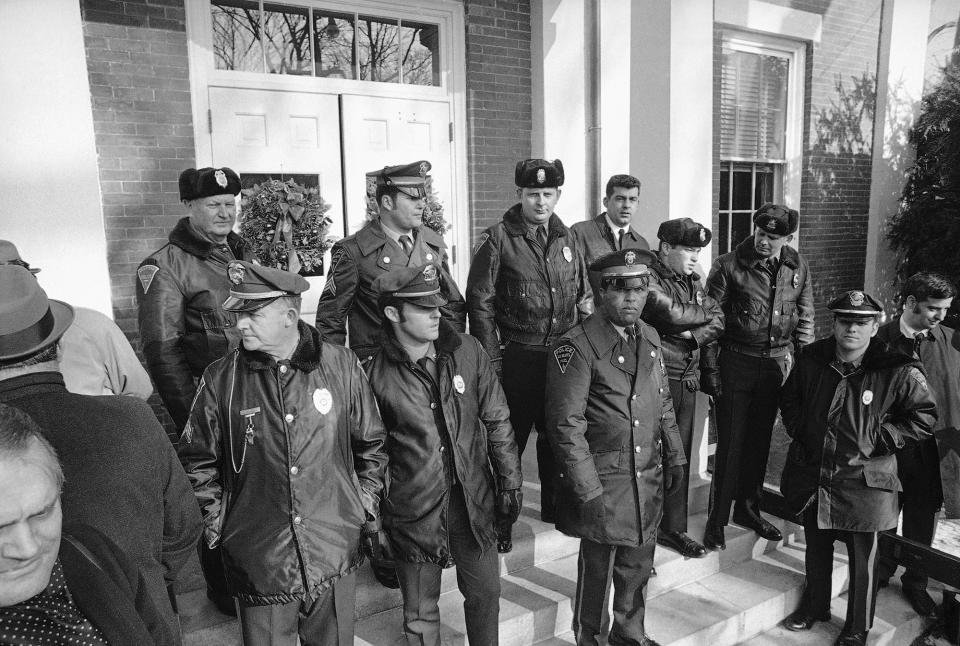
{"points": [[746, 411], [675, 505], [863, 554], [211, 564], [478, 577], [628, 569], [524, 381], [918, 465], [325, 621]]}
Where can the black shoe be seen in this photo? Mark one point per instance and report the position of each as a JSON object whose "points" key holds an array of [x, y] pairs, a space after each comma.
{"points": [[802, 620], [920, 601], [851, 639], [681, 543], [713, 538], [224, 603], [759, 525]]}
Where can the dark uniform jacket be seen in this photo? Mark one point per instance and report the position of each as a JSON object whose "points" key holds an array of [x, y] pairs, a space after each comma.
{"points": [[527, 295], [596, 239], [758, 318], [348, 293], [183, 328], [844, 431], [940, 355], [287, 462], [455, 429], [613, 432], [689, 308], [123, 474]]}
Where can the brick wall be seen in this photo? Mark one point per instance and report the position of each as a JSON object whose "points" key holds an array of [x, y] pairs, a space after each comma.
{"points": [[137, 67], [498, 103]]}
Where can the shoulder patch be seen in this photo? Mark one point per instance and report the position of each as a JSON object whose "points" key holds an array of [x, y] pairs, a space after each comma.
{"points": [[146, 274], [918, 377], [563, 355], [336, 255], [482, 240]]}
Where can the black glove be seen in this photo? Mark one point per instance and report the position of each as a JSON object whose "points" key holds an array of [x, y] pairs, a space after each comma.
{"points": [[884, 445], [375, 545], [710, 371], [507, 511], [591, 511], [672, 480]]}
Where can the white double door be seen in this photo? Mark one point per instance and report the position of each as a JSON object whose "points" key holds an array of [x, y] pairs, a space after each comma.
{"points": [[338, 138]]}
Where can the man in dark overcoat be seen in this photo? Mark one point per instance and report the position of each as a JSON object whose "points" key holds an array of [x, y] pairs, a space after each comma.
{"points": [[125, 479], [848, 405], [929, 469], [611, 423], [453, 463], [396, 238]]}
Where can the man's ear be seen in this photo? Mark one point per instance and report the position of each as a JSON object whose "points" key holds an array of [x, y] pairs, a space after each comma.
{"points": [[387, 202], [519, 193], [790, 238], [910, 301], [392, 313]]}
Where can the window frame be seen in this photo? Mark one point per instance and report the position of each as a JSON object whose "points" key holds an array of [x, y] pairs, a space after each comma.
{"points": [[795, 52]]}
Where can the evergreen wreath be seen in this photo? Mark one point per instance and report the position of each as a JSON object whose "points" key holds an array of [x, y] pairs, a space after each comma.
{"points": [[286, 225]]}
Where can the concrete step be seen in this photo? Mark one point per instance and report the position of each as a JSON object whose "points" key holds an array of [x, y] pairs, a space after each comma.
{"points": [[536, 602]]}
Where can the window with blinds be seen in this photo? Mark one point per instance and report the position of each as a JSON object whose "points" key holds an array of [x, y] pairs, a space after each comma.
{"points": [[753, 106]]}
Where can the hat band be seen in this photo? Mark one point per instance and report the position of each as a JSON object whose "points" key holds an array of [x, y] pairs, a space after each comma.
{"points": [[31, 337], [417, 294], [856, 312], [258, 295]]}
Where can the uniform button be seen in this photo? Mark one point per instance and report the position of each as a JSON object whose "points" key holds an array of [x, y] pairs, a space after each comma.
{"points": [[442, 449], [772, 339], [638, 475], [659, 468], [386, 259], [297, 520], [637, 449], [294, 470], [653, 353], [776, 313], [636, 422], [283, 369], [553, 290], [620, 359], [288, 417], [433, 405], [633, 396], [554, 320], [660, 390]]}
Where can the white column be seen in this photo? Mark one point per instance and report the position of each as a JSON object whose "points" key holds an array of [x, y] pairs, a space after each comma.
{"points": [[903, 37], [49, 187]]}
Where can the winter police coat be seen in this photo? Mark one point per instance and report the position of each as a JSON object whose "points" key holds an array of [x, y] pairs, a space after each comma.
{"points": [[183, 327], [458, 427], [348, 295], [688, 308], [526, 294], [761, 313], [844, 431], [287, 462], [613, 432]]}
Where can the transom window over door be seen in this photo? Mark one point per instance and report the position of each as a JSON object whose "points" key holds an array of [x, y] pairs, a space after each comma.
{"points": [[758, 127]]}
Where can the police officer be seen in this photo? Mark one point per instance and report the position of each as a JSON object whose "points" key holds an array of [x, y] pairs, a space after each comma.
{"points": [[928, 469], [285, 452], [681, 240], [395, 239], [180, 292], [611, 423], [849, 403], [766, 293], [612, 229], [454, 466], [527, 286]]}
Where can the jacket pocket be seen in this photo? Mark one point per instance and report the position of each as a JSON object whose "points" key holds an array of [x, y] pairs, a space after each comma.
{"points": [[882, 475], [606, 462]]}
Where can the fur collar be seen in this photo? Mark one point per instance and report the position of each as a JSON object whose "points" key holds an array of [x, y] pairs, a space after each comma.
{"points": [[184, 237], [306, 357], [748, 257], [446, 344]]}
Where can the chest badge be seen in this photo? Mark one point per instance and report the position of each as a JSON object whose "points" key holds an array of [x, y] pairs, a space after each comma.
{"points": [[458, 384], [699, 297], [567, 254], [429, 256], [796, 281], [867, 397], [322, 400]]}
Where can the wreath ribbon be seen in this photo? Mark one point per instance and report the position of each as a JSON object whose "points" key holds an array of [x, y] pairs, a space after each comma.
{"points": [[289, 215]]}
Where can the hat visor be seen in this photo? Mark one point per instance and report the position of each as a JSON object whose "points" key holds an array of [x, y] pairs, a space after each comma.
{"points": [[625, 282], [241, 305], [27, 344], [847, 315], [431, 300]]}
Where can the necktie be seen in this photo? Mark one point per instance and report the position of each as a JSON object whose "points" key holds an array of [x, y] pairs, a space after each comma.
{"points": [[542, 236], [917, 342], [620, 238], [407, 244], [631, 337]]}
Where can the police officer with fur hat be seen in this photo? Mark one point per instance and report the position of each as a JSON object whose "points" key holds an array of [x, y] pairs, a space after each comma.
{"points": [[180, 292], [766, 292], [454, 463], [849, 404], [397, 238], [611, 423], [695, 324], [285, 452], [527, 286]]}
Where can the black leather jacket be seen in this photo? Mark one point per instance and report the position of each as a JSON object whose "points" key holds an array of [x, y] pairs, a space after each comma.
{"points": [[763, 313], [183, 328], [459, 428], [527, 295], [287, 462]]}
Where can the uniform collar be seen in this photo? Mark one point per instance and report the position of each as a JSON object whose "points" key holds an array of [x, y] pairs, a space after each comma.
{"points": [[373, 235], [603, 335], [185, 237]]}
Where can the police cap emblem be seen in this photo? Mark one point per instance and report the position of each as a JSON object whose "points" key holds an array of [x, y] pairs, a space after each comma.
{"points": [[541, 176], [220, 177], [703, 234], [771, 225], [629, 258], [235, 272], [424, 167], [430, 273], [856, 299]]}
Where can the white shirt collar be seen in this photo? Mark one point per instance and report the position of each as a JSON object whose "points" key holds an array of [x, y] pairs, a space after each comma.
{"points": [[615, 228], [908, 331], [394, 235]]}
